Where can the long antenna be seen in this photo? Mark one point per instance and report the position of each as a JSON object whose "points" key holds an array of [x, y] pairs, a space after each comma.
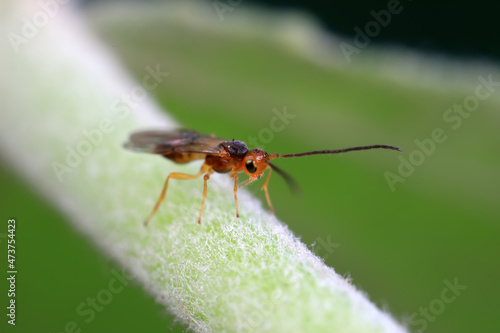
{"points": [[337, 151]]}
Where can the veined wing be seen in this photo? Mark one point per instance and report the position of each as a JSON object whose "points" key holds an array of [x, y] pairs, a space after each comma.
{"points": [[169, 142]]}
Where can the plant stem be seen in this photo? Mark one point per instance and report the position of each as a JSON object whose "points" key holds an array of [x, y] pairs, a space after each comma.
{"points": [[64, 131]]}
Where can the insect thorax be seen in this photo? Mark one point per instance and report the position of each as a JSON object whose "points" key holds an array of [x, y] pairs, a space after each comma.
{"points": [[230, 156], [236, 149]]}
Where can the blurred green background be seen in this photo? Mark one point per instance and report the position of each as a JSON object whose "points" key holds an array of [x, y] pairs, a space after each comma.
{"points": [[226, 78]]}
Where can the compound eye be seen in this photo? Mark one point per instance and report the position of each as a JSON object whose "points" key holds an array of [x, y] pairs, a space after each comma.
{"points": [[251, 166]]}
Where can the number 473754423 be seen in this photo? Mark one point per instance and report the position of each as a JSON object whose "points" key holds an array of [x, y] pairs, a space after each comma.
{"points": [[11, 248]]}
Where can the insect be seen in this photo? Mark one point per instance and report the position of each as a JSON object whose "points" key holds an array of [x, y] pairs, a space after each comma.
{"points": [[220, 155]]}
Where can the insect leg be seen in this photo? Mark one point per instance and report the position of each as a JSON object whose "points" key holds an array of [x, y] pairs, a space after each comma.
{"points": [[205, 178], [264, 187], [175, 175], [247, 182], [235, 177]]}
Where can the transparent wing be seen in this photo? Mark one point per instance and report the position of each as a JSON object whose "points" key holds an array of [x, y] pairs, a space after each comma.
{"points": [[166, 142]]}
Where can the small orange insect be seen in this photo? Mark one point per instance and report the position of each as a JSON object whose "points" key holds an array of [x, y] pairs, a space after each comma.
{"points": [[223, 156]]}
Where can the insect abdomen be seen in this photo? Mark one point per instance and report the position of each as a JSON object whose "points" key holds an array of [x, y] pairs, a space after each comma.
{"points": [[184, 157]]}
